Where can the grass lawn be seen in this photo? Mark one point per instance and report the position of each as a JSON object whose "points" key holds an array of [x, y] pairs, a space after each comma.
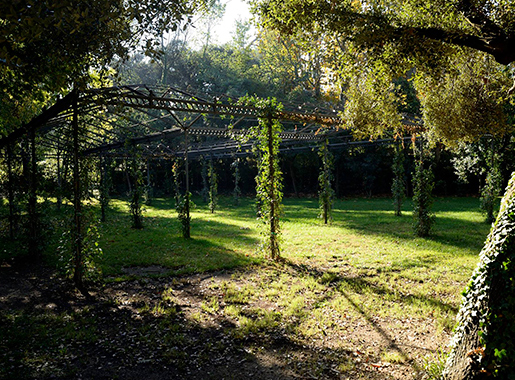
{"points": [[358, 298]]}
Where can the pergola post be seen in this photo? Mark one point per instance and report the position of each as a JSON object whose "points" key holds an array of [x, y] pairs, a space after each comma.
{"points": [[33, 199], [59, 201], [274, 227], [77, 205], [10, 191], [104, 191], [187, 231]]}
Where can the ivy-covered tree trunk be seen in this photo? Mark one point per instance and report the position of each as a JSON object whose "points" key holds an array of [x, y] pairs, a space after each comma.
{"points": [[484, 339]]}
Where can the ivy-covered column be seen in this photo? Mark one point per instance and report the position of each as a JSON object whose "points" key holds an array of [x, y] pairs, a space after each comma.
{"points": [[105, 186], [269, 178], [77, 238], [32, 206], [326, 192], [492, 187], [205, 180], [148, 187], [273, 190], [236, 174], [213, 186], [10, 191], [398, 182], [59, 196], [423, 183], [183, 203], [136, 194]]}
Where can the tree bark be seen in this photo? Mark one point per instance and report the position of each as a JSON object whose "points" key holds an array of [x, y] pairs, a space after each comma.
{"points": [[485, 301]]}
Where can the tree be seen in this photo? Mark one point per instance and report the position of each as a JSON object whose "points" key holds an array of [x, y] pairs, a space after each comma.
{"points": [[47, 47], [461, 53]]}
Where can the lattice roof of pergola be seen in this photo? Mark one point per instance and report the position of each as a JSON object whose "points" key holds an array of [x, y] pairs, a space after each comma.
{"points": [[156, 118]]}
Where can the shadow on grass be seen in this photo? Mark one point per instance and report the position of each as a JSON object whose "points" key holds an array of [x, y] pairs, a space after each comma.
{"points": [[131, 331], [455, 232]]}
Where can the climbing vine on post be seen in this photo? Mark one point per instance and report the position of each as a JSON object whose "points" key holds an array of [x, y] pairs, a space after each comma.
{"points": [[492, 187], [326, 192], [205, 187], [136, 194], [149, 191], [423, 183], [213, 186], [182, 203], [398, 183], [105, 186], [269, 179], [236, 174]]}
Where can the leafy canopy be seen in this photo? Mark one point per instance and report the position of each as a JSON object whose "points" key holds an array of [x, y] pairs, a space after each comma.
{"points": [[54, 43], [457, 54]]}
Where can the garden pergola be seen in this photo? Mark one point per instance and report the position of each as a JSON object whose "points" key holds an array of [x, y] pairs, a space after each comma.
{"points": [[162, 122]]}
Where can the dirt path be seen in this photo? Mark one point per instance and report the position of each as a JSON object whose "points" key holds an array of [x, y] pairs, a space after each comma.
{"points": [[207, 326]]}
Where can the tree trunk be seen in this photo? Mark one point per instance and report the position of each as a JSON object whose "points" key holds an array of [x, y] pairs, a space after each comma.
{"points": [[487, 306]]}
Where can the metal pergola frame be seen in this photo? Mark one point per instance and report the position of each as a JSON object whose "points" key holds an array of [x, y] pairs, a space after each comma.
{"points": [[163, 122]]}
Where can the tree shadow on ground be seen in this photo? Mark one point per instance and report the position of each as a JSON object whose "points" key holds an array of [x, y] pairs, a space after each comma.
{"points": [[158, 328]]}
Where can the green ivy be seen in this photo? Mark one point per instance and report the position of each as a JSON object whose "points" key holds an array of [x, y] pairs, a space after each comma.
{"points": [[236, 174], [91, 253], [183, 204], [269, 178], [489, 299], [213, 187], [105, 186], [398, 182], [205, 187], [491, 190], [183, 214], [423, 184], [326, 192], [136, 195]]}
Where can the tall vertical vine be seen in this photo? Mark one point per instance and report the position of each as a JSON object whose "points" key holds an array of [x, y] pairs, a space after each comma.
{"points": [[236, 174], [137, 189], [205, 182], [325, 178], [423, 184], [398, 182], [104, 186], [182, 203], [213, 186], [492, 187], [269, 178]]}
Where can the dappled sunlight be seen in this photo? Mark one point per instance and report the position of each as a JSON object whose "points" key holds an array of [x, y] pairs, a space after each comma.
{"points": [[357, 297]]}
